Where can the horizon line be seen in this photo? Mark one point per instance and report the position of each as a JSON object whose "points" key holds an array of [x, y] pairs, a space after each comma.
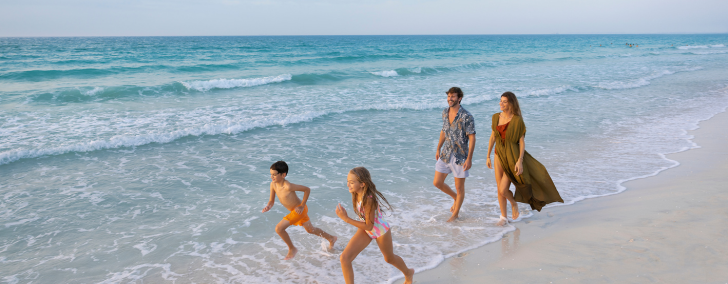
{"points": [[291, 35]]}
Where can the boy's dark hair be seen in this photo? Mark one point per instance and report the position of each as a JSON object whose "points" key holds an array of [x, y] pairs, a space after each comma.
{"points": [[281, 167], [455, 90]]}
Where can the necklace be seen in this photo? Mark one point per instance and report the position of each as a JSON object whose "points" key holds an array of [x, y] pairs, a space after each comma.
{"points": [[508, 118]]}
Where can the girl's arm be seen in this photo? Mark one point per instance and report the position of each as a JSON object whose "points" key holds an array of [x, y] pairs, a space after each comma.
{"points": [[519, 163], [490, 147], [341, 212]]}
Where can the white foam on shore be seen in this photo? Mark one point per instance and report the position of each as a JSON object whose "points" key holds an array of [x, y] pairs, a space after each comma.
{"points": [[204, 86]]}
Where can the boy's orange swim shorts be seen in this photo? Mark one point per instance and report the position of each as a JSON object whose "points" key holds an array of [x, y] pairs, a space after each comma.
{"points": [[298, 219]]}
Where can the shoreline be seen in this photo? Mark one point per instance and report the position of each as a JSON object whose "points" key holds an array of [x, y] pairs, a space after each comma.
{"points": [[563, 241]]}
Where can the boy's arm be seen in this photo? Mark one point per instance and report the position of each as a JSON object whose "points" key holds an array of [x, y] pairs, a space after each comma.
{"points": [[306, 193], [271, 200]]}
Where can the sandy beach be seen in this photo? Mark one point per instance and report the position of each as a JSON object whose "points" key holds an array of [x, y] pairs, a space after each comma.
{"points": [[668, 228]]}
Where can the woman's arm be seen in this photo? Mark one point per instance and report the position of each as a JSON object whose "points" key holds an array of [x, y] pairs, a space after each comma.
{"points": [[490, 147], [522, 148], [367, 226]]}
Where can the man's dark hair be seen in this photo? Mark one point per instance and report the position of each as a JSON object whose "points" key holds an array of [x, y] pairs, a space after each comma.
{"points": [[281, 167], [455, 90]]}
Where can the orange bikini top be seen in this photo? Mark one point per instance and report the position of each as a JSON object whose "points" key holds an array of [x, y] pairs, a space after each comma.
{"points": [[502, 130]]}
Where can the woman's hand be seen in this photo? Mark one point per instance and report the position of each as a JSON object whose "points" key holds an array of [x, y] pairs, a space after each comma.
{"points": [[519, 167], [341, 212], [488, 163]]}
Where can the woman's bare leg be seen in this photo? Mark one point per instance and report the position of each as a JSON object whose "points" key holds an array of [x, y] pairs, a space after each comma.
{"points": [[358, 243], [503, 190], [498, 179], [385, 246]]}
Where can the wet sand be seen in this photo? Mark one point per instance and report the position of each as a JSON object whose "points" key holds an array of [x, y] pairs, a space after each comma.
{"points": [[668, 228]]}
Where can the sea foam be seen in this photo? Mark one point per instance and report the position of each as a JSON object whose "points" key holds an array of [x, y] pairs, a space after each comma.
{"points": [[204, 86], [390, 73]]}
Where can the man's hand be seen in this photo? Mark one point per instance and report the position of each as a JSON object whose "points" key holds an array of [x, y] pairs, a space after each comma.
{"points": [[267, 207], [299, 209], [467, 165]]}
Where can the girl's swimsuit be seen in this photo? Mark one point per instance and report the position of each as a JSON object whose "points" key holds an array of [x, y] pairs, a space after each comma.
{"points": [[380, 225]]}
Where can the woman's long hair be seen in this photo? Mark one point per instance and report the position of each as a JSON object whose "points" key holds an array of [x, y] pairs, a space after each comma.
{"points": [[513, 101], [370, 190]]}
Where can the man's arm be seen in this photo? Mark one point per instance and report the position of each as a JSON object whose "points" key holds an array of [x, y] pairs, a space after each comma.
{"points": [[471, 145], [439, 145], [271, 200], [306, 193]]}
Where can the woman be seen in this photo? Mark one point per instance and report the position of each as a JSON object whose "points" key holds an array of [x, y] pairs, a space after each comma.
{"points": [[514, 165]]}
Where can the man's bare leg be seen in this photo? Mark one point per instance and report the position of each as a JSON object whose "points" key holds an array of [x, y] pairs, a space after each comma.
{"points": [[281, 230], [316, 231], [459, 198], [439, 182]]}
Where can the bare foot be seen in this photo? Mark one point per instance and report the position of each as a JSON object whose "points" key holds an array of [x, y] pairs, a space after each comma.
{"points": [[291, 253], [452, 218], [516, 213], [502, 221], [331, 242], [408, 277], [452, 208]]}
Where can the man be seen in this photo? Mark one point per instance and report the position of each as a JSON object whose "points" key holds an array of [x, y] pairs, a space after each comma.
{"points": [[456, 157]]}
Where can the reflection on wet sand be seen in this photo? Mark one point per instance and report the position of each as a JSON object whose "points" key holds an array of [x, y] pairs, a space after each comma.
{"points": [[509, 242]]}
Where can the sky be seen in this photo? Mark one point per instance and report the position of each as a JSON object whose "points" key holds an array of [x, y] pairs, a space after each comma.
{"points": [[30, 18]]}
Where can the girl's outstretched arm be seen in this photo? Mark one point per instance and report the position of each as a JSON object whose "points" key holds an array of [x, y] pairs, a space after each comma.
{"points": [[341, 212]]}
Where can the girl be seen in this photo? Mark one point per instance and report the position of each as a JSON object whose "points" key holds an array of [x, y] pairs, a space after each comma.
{"points": [[367, 200], [514, 165]]}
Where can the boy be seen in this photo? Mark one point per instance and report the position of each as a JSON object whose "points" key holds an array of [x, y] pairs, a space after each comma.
{"points": [[286, 192]]}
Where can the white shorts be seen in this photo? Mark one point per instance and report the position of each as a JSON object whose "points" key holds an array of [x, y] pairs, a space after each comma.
{"points": [[451, 167]]}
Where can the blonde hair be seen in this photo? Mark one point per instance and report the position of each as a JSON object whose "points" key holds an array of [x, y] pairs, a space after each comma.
{"points": [[370, 190]]}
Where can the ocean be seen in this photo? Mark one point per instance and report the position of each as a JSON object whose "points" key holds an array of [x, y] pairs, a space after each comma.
{"points": [[145, 159]]}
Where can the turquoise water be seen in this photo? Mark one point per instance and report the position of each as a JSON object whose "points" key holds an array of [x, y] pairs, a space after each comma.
{"points": [[146, 159]]}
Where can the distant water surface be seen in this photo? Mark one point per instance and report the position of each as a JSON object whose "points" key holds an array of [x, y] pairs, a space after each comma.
{"points": [[145, 159]]}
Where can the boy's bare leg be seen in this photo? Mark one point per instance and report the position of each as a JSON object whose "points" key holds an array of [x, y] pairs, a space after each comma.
{"points": [[459, 198], [439, 182], [281, 230], [316, 231]]}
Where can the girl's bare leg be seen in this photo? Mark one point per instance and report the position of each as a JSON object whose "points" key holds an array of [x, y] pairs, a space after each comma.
{"points": [[358, 243], [385, 246]]}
